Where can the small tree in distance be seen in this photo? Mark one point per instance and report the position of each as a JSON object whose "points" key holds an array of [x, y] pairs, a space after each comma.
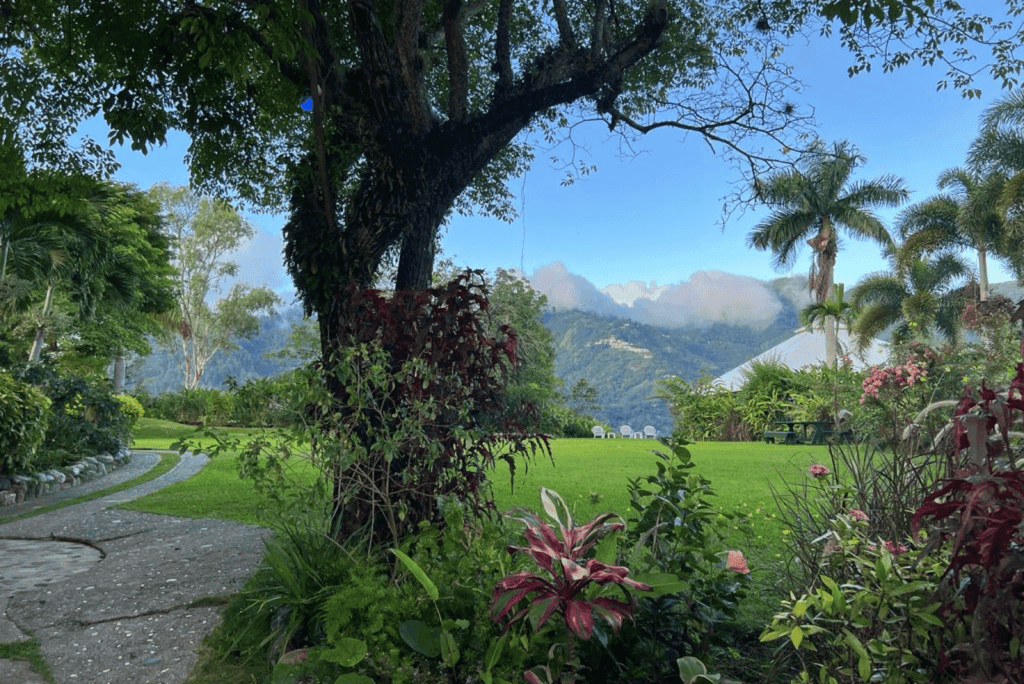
{"points": [[204, 231]]}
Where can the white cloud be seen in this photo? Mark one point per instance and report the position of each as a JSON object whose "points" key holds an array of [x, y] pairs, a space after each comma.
{"points": [[628, 293], [707, 297], [566, 290]]}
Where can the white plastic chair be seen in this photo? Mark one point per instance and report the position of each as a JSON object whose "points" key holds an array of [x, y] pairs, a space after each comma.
{"points": [[598, 431], [626, 431], [649, 431]]}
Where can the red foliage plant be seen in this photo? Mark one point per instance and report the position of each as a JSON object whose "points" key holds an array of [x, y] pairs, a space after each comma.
{"points": [[432, 421], [566, 574], [980, 513]]}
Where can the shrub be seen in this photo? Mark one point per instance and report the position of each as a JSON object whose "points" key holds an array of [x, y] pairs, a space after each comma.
{"points": [[674, 541], [85, 418], [879, 624], [130, 407], [767, 395], [408, 410], [703, 410], [24, 416], [199, 406], [267, 402], [561, 589], [561, 421], [883, 483]]}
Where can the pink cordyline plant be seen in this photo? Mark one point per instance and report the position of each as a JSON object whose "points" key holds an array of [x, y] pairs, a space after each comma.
{"points": [[560, 589]]}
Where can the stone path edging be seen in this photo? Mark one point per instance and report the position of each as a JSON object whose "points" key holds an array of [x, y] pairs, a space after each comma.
{"points": [[16, 489]]}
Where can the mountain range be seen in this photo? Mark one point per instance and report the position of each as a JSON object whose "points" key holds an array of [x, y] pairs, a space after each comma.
{"points": [[612, 338], [623, 358]]}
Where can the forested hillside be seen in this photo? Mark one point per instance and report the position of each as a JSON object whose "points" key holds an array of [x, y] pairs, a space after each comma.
{"points": [[623, 359], [160, 371]]}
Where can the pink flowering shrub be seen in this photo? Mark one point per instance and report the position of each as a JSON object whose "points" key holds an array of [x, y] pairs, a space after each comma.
{"points": [[892, 396], [737, 562], [883, 380], [817, 470]]}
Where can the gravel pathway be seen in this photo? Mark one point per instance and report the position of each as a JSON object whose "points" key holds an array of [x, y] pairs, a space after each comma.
{"points": [[108, 593]]}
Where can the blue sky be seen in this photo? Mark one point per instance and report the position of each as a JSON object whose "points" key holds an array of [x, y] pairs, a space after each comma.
{"points": [[655, 217]]}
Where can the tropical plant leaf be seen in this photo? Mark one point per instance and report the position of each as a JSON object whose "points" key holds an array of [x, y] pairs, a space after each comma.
{"points": [[421, 637], [418, 573]]}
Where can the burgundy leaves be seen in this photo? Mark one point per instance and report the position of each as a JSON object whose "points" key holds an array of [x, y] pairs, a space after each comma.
{"points": [[562, 589]]}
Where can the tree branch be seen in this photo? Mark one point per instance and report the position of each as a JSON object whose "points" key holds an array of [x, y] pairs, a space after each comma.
{"points": [[458, 67], [565, 33], [410, 22], [503, 50]]}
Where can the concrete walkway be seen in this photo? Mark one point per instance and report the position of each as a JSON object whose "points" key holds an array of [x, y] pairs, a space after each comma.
{"points": [[109, 593]]}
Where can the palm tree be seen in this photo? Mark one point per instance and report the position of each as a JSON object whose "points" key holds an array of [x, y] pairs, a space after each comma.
{"points": [[969, 216], [828, 316], [811, 202], [918, 296], [999, 147]]}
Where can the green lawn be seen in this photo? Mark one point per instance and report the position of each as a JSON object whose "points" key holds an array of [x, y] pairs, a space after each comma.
{"points": [[590, 474], [215, 492], [740, 472]]}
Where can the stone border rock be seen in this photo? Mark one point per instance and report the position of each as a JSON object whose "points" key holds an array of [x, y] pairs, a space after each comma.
{"points": [[15, 489]]}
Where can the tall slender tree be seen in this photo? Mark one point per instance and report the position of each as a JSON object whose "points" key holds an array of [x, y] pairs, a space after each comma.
{"points": [[204, 231], [811, 203], [829, 316]]}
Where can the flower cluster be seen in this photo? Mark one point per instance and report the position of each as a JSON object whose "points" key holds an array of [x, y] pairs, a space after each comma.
{"points": [[857, 514], [736, 562], [892, 377], [895, 548], [817, 470]]}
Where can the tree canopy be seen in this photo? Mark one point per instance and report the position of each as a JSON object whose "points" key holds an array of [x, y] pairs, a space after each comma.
{"points": [[419, 106]]}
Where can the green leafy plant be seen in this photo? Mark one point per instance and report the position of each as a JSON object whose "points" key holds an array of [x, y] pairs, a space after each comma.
{"points": [[301, 568], [85, 419], [674, 542], [885, 484], [881, 624], [430, 641], [24, 413], [131, 407], [562, 589], [702, 410]]}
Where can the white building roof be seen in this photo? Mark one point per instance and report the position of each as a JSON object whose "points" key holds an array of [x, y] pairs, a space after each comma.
{"points": [[807, 348]]}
